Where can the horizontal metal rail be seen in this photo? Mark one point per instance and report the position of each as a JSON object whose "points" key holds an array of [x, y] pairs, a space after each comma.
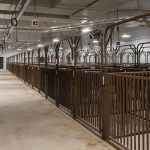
{"points": [[125, 96]]}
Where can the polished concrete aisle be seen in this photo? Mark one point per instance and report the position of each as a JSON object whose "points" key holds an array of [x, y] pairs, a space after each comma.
{"points": [[30, 122]]}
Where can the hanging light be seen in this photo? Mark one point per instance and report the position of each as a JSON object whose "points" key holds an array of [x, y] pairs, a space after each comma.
{"points": [[85, 30], [83, 21], [56, 40], [29, 49], [40, 45], [126, 36], [95, 41]]}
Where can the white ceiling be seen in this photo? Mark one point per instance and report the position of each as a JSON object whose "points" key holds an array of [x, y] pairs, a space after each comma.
{"points": [[63, 14]]}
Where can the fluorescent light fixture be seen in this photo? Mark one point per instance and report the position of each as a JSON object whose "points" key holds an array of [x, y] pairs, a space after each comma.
{"points": [[56, 40], [85, 30], [29, 49], [40, 45], [95, 41], [126, 36], [19, 49], [52, 27], [83, 21]]}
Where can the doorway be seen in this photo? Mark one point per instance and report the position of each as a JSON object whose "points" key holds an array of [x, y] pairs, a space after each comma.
{"points": [[1, 62]]}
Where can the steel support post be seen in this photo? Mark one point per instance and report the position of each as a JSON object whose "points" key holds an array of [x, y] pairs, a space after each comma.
{"points": [[57, 46], [74, 42], [28, 66], [32, 71], [46, 72], [106, 39], [39, 73]]}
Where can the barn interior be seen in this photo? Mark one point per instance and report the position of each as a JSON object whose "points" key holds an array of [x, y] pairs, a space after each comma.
{"points": [[90, 58]]}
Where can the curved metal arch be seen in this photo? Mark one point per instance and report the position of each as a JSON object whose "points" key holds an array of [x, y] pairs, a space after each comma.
{"points": [[130, 53], [90, 56], [83, 54], [145, 53], [125, 48], [140, 48], [35, 57]]}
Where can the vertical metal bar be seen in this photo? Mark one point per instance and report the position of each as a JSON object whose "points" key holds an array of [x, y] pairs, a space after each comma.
{"points": [[84, 102], [131, 91], [89, 92], [123, 110], [74, 95], [134, 111], [46, 73], [28, 67], [127, 111], [17, 58], [83, 97], [139, 122], [39, 74], [95, 100], [143, 95], [120, 111], [113, 104], [92, 97], [79, 76], [24, 58], [116, 125], [57, 45], [32, 70], [99, 103], [147, 114], [111, 96], [78, 93]]}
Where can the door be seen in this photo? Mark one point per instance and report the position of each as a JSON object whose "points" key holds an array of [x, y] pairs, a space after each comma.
{"points": [[1, 62]]}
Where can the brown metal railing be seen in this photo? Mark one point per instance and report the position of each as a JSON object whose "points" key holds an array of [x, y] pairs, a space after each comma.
{"points": [[116, 105], [42, 79], [129, 111], [35, 76], [80, 92], [88, 88], [66, 88], [51, 82]]}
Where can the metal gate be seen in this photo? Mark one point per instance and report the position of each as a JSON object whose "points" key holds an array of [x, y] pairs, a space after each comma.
{"points": [[129, 98]]}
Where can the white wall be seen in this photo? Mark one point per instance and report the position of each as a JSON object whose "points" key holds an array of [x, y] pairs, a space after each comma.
{"points": [[8, 53]]}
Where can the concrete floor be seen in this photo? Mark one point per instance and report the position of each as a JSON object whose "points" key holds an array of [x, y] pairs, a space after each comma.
{"points": [[30, 122]]}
